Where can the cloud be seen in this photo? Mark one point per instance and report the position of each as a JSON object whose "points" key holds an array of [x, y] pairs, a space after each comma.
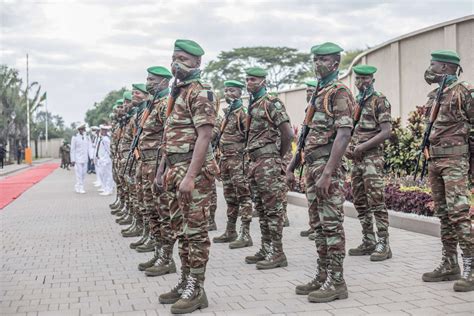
{"points": [[80, 50]]}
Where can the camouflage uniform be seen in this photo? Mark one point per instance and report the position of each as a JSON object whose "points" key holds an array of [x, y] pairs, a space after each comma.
{"points": [[333, 110], [148, 144], [367, 175], [213, 207], [195, 106], [266, 173], [451, 142], [236, 186]]}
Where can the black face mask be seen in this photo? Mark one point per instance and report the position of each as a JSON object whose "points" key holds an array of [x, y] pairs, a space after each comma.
{"points": [[432, 77]]}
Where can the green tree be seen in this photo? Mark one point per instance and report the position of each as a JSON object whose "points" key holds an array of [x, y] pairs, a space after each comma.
{"points": [[99, 114], [286, 66]]}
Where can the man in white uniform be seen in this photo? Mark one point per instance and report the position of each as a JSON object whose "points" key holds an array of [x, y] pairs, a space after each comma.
{"points": [[80, 145], [104, 161]]}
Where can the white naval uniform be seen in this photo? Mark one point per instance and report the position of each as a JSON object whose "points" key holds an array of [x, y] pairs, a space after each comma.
{"points": [[80, 145], [104, 164]]}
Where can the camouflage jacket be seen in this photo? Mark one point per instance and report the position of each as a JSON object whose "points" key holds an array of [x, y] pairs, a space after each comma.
{"points": [[129, 130], [233, 136], [195, 106], [266, 115], [153, 128], [454, 123], [333, 110], [376, 110]]}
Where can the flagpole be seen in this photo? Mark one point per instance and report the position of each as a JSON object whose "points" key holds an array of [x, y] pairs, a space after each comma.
{"points": [[27, 105], [46, 127]]}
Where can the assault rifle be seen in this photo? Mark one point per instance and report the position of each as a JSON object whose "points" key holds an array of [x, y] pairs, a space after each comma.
{"points": [[358, 110], [425, 144]]}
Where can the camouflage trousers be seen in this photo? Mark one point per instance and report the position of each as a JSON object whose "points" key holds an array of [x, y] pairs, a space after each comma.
{"points": [[328, 215], [268, 184], [448, 179], [131, 189], [213, 206], [368, 192], [144, 180], [236, 190], [189, 222]]}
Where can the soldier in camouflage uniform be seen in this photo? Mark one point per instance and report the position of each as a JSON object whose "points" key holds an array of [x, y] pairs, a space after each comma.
{"points": [[451, 152], [310, 88], [150, 139], [267, 121], [235, 183], [190, 173], [372, 126], [327, 140], [213, 207], [115, 138], [139, 100]]}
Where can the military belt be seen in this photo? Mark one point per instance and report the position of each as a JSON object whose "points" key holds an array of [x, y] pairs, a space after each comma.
{"points": [[148, 154], [319, 152], [172, 159], [234, 146], [438, 151], [267, 150]]}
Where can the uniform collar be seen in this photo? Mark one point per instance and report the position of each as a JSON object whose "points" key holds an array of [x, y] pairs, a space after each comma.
{"points": [[328, 79]]}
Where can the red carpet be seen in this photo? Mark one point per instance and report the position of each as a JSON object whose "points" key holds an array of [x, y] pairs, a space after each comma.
{"points": [[13, 186]]}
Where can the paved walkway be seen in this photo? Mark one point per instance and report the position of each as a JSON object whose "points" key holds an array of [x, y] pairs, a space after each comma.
{"points": [[62, 254]]}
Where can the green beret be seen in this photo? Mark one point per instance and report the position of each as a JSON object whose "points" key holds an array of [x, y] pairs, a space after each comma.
{"points": [[327, 48], [234, 83], [190, 47], [127, 95], [160, 71], [256, 72], [119, 101], [311, 83], [446, 56], [365, 70], [140, 86]]}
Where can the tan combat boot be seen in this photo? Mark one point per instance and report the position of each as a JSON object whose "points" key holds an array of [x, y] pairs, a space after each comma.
{"points": [[382, 250], [134, 231], [447, 270], [147, 246], [259, 255], [193, 297], [466, 283], [175, 294], [144, 237], [165, 263], [367, 247], [229, 235], [317, 282], [244, 239], [329, 291], [275, 258], [148, 264]]}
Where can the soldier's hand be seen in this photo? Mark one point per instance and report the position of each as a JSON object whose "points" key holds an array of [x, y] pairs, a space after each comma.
{"points": [[357, 154], [290, 178], [186, 187], [322, 186], [158, 183], [349, 154]]}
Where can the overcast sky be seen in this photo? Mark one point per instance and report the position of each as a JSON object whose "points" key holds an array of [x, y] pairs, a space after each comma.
{"points": [[80, 50]]}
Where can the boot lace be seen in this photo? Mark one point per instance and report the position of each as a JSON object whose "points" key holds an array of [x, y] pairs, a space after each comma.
{"points": [[190, 287], [444, 261], [467, 267], [328, 283], [178, 285], [380, 246], [270, 254]]}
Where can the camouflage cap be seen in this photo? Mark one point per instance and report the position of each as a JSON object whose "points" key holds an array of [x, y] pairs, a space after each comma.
{"points": [[189, 46], [311, 83], [234, 83], [139, 86], [127, 95], [365, 70], [256, 72], [159, 71], [327, 48], [446, 56]]}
